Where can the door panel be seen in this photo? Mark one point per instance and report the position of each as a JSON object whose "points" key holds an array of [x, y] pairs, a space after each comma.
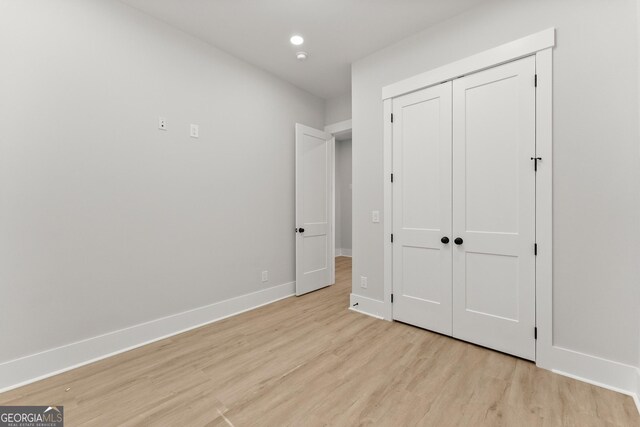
{"points": [[494, 208], [488, 276], [314, 209], [421, 274], [422, 208]]}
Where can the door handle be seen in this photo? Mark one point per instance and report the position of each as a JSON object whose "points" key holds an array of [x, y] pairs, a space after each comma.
{"points": [[300, 230], [445, 240], [458, 241]]}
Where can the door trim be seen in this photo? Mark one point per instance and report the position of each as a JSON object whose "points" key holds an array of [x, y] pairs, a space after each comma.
{"points": [[539, 44], [335, 129], [525, 46]]}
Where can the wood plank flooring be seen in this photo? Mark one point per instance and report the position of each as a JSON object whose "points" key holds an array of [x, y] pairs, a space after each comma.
{"points": [[308, 361]]}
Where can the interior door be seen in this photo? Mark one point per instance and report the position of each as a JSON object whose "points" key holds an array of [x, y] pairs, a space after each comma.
{"points": [[422, 208], [314, 209], [494, 208]]}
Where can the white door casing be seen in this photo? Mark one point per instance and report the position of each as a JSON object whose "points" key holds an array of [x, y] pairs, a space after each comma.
{"points": [[494, 208], [422, 208], [314, 209]]}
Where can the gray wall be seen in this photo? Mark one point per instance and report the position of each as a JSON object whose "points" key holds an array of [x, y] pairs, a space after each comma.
{"points": [[107, 222], [596, 165], [337, 109], [638, 59], [343, 194]]}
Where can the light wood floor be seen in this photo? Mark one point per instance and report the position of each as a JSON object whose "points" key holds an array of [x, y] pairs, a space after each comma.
{"points": [[309, 361]]}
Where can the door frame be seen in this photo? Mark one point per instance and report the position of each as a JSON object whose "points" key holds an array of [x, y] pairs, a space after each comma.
{"points": [[334, 129], [541, 46]]}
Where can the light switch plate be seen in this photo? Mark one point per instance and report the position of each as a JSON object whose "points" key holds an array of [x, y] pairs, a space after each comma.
{"points": [[363, 282], [162, 123], [195, 131], [375, 216]]}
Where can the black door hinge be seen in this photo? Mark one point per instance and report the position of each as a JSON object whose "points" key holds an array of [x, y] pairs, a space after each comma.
{"points": [[391, 177], [535, 80], [391, 298], [535, 333], [535, 249], [391, 237], [391, 117]]}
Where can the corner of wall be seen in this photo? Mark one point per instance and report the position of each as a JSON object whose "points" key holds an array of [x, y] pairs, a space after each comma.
{"points": [[368, 306]]}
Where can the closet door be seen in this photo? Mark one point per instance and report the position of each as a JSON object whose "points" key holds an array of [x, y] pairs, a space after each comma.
{"points": [[422, 208], [494, 208]]}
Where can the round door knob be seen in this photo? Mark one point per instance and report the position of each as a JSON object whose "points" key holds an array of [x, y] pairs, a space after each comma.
{"points": [[445, 240], [301, 230], [458, 241]]}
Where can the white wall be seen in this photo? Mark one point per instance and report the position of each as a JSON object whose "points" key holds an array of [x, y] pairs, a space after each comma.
{"points": [[638, 53], [107, 222], [337, 109], [596, 174], [343, 196]]}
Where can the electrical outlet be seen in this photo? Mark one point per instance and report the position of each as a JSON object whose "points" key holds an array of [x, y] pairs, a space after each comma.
{"points": [[195, 131], [363, 282], [265, 276], [162, 123]]}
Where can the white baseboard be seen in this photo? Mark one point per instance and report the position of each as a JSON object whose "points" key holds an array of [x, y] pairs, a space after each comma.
{"points": [[636, 397], [365, 313], [368, 306], [28, 369], [597, 371], [343, 252]]}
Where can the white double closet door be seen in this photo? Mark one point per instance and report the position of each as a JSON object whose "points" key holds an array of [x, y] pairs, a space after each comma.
{"points": [[464, 208]]}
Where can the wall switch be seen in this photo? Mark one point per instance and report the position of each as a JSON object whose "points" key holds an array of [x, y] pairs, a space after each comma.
{"points": [[162, 123], [265, 276], [363, 282], [375, 216], [195, 131]]}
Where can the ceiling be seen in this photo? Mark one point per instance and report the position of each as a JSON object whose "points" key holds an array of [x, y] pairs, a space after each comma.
{"points": [[336, 32]]}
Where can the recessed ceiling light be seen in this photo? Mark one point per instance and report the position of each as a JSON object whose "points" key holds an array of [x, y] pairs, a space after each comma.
{"points": [[301, 56], [296, 40]]}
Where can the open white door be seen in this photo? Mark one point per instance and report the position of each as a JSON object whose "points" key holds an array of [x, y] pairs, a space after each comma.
{"points": [[314, 209]]}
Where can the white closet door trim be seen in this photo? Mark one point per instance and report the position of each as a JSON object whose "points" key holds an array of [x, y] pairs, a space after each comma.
{"points": [[544, 211], [516, 49], [387, 213]]}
